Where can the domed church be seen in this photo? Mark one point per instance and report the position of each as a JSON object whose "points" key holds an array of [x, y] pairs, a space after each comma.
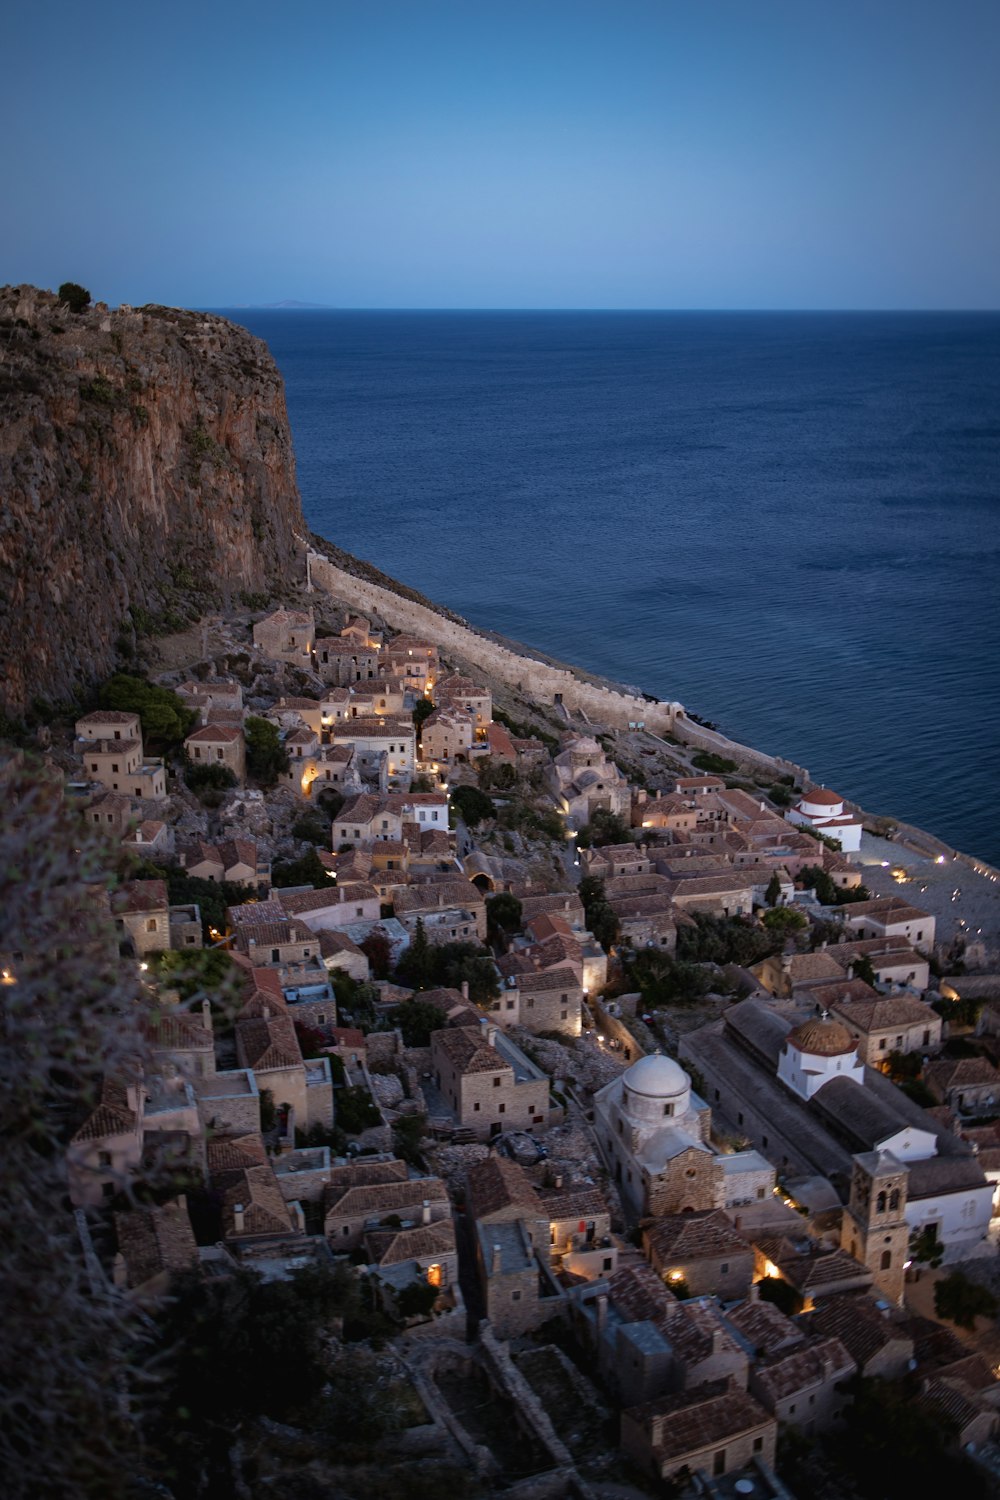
{"points": [[655, 1133]]}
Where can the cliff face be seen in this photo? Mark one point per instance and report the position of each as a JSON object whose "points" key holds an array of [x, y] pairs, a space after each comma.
{"points": [[146, 474]]}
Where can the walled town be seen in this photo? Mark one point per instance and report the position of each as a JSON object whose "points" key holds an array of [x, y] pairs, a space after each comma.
{"points": [[637, 1105]]}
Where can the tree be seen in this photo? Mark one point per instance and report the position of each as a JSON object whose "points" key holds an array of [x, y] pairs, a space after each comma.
{"points": [[416, 1299], [723, 940], [604, 827], [925, 1247], [421, 784], [422, 711], [312, 827], [164, 718], [784, 919], [74, 296], [472, 805], [416, 1020], [773, 893], [414, 963], [863, 969], [267, 758], [356, 1110], [378, 950], [309, 870], [503, 916], [208, 776], [962, 1301]]}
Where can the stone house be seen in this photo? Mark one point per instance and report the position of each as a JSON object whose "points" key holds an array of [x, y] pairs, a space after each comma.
{"points": [[500, 746], [142, 915], [648, 921], [418, 662], [882, 1024], [579, 1231], [509, 1277], [219, 745], [894, 962], [427, 1252], [671, 813], [550, 1000], [184, 1038], [110, 725], [878, 1343], [268, 1045], [341, 660], [352, 1210], [464, 694], [338, 951], [287, 635], [251, 1203], [377, 698], [890, 916], [155, 1244], [376, 742], [335, 909], [370, 817], [728, 895], [266, 943], [499, 1191], [110, 745], [433, 898], [804, 1387], [608, 860], [701, 1250], [484, 1091], [228, 1102], [584, 780], [111, 812], [968, 1085], [149, 839], [715, 1428], [233, 860], [107, 1149], [295, 712], [446, 735]]}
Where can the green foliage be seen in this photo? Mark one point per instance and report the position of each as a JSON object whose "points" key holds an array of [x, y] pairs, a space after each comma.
{"points": [[407, 1135], [917, 1090], [826, 888], [309, 870], [163, 716], [194, 972], [662, 980], [773, 893], [425, 966], [416, 1020], [74, 296], [356, 1110], [421, 784], [268, 1113], [472, 805], [599, 916], [211, 896], [780, 795], [503, 915], [605, 828], [422, 711], [99, 391], [417, 1299], [723, 940], [962, 1301], [378, 950], [712, 764], [925, 1247], [208, 776], [784, 919], [312, 827], [497, 775], [267, 758], [863, 969], [959, 1012]]}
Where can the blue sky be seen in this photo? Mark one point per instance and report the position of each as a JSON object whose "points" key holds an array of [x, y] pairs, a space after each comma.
{"points": [[507, 153]]}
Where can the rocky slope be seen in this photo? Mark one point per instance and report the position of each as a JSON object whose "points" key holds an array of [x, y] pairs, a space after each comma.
{"points": [[146, 475]]}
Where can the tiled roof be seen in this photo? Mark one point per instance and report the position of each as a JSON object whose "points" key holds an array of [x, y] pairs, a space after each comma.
{"points": [[268, 1042], [153, 1240], [368, 1173], [497, 1184], [466, 1047], [963, 1072], [693, 1236], [882, 1012], [264, 1209], [113, 1116], [233, 1153], [140, 895], [215, 734], [704, 1417], [858, 1324], [574, 1203], [819, 1361], [547, 979], [766, 1327], [179, 1031], [383, 1198], [343, 895], [255, 911], [391, 1247]]}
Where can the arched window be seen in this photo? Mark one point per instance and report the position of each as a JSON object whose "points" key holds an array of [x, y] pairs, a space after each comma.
{"points": [[894, 1199], [886, 1260], [880, 1203]]}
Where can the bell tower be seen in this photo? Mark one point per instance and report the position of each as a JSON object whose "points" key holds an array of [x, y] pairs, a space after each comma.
{"points": [[874, 1228]]}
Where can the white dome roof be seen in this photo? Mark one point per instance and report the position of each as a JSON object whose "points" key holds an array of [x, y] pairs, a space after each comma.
{"points": [[657, 1077]]}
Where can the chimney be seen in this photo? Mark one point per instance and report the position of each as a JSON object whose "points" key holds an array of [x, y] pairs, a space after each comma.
{"points": [[465, 989], [602, 1312], [491, 1035], [557, 1181], [497, 1261], [206, 1014], [119, 1272], [850, 971], [238, 1218], [753, 1295], [298, 1214], [425, 1211]]}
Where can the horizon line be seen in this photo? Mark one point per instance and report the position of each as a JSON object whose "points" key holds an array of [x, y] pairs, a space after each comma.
{"points": [[747, 311]]}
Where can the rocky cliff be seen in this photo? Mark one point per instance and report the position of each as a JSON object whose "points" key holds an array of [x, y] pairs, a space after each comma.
{"points": [[146, 474]]}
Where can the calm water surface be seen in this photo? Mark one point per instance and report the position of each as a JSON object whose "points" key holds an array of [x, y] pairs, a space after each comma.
{"points": [[787, 521]]}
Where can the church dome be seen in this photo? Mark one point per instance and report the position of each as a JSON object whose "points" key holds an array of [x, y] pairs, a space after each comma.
{"points": [[822, 1037], [657, 1077]]}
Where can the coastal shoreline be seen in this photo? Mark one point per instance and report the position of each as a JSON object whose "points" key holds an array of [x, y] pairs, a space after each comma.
{"points": [[563, 685]]}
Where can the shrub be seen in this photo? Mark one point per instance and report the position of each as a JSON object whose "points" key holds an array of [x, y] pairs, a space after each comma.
{"points": [[472, 805], [208, 776], [267, 758], [74, 296], [164, 718], [962, 1301]]}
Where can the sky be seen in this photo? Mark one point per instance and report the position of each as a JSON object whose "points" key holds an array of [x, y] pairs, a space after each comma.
{"points": [[506, 153]]}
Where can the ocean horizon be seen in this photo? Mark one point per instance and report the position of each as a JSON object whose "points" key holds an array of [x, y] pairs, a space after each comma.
{"points": [[785, 520]]}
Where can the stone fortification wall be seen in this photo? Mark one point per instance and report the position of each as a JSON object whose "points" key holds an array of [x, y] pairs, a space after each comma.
{"points": [[535, 679]]}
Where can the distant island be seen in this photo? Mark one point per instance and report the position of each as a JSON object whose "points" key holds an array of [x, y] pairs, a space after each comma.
{"points": [[288, 305]]}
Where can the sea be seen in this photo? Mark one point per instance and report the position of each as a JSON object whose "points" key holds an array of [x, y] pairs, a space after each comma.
{"points": [[789, 522]]}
